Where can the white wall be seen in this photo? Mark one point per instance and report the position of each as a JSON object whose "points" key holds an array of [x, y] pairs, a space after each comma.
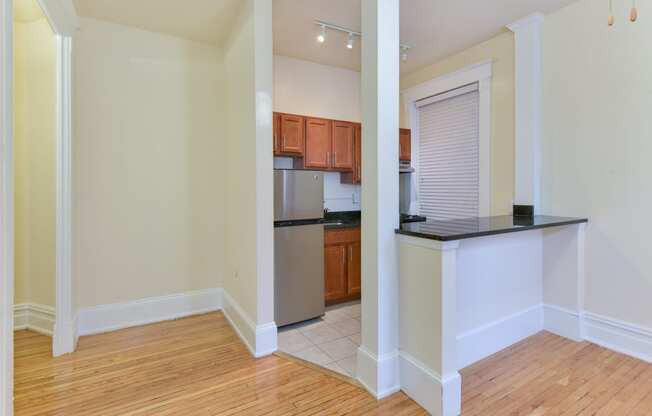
{"points": [[148, 145], [597, 148], [35, 161], [307, 88]]}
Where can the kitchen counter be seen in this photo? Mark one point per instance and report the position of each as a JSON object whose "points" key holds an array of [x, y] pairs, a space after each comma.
{"points": [[462, 299], [339, 220], [460, 229]]}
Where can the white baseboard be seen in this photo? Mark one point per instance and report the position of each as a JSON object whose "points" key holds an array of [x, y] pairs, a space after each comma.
{"points": [[379, 375], [261, 340], [106, 318], [623, 337], [35, 317], [482, 342], [426, 387], [563, 322]]}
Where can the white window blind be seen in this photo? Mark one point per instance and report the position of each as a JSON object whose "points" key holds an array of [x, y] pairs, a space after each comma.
{"points": [[449, 168]]}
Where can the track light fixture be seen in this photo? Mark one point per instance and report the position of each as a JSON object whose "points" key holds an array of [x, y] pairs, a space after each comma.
{"points": [[351, 34], [321, 38]]}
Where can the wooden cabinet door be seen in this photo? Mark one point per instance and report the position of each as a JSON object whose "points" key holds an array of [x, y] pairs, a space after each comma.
{"points": [[405, 144], [343, 141], [292, 134], [277, 133], [318, 143], [354, 268], [335, 270], [357, 176]]}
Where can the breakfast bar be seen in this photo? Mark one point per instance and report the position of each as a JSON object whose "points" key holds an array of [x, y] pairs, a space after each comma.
{"points": [[472, 287]]}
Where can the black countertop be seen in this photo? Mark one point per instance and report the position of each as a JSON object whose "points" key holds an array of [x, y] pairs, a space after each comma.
{"points": [[477, 227], [344, 219]]}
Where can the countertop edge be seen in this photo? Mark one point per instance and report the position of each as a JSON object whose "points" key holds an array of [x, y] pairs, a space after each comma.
{"points": [[491, 232]]}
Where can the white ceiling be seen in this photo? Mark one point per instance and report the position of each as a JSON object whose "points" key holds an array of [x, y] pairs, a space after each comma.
{"points": [[433, 28], [26, 11], [199, 20]]}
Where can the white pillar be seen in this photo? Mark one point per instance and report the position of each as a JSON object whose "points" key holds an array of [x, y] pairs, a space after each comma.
{"points": [[378, 354], [528, 85], [6, 211]]}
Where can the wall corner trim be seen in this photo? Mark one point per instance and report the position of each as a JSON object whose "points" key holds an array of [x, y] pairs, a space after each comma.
{"points": [[438, 395], [534, 18], [260, 340], [379, 374]]}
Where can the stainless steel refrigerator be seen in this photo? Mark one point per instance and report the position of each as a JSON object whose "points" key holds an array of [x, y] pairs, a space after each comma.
{"points": [[298, 245]]}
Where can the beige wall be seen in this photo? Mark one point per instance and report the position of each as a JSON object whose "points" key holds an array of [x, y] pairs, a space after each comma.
{"points": [[35, 162], [500, 49], [597, 148], [148, 165], [307, 88], [248, 76]]}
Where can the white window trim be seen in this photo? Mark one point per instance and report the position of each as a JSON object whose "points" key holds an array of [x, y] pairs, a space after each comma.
{"points": [[482, 74]]}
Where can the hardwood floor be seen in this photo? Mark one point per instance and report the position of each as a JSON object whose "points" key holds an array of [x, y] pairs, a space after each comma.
{"points": [[549, 375], [197, 366], [188, 367]]}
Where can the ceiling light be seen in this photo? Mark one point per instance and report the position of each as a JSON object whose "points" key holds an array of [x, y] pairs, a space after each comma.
{"points": [[349, 42], [321, 38]]}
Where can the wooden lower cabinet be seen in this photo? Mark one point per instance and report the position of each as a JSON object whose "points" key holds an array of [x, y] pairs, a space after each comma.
{"points": [[342, 262], [335, 271]]}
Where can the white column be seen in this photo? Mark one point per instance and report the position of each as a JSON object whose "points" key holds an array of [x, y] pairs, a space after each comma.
{"points": [[266, 333], [528, 80], [378, 354], [6, 211], [65, 339]]}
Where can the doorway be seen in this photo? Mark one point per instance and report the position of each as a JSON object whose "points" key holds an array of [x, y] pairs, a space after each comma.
{"points": [[21, 179]]}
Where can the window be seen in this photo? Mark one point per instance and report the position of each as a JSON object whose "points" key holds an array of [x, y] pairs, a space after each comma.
{"points": [[449, 154]]}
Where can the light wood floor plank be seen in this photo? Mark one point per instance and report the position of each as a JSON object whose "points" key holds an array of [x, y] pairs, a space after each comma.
{"points": [[198, 366]]}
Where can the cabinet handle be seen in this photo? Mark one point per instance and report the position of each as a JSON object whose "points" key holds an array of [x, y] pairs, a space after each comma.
{"points": [[334, 158], [328, 158], [275, 142], [350, 254], [284, 141]]}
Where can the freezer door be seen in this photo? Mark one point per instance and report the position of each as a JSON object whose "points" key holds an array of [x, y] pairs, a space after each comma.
{"points": [[298, 273], [298, 195]]}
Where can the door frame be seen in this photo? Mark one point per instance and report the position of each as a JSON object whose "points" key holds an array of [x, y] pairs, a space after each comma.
{"points": [[63, 20]]}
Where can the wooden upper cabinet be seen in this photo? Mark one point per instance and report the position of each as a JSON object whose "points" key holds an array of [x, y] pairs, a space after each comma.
{"points": [[277, 133], [357, 174], [292, 134], [343, 143], [318, 143], [405, 145]]}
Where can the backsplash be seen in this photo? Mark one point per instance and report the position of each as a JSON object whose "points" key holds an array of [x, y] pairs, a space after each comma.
{"points": [[337, 196]]}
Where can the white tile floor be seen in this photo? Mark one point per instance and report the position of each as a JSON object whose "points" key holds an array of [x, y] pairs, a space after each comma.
{"points": [[331, 341]]}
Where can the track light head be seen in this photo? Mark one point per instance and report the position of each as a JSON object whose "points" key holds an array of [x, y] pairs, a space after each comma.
{"points": [[321, 38], [404, 53], [349, 42]]}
